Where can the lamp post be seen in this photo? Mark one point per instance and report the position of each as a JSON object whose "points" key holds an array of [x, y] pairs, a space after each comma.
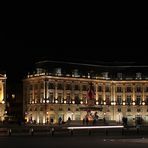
{"points": [[3, 102], [119, 118], [45, 92]]}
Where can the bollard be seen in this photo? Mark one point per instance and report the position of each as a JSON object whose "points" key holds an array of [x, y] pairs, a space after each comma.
{"points": [[122, 131], [106, 132], [32, 132], [71, 132], [89, 132], [138, 129], [10, 131], [52, 131]]}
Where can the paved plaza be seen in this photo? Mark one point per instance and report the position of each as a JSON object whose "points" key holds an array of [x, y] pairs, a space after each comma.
{"points": [[70, 142], [21, 137]]}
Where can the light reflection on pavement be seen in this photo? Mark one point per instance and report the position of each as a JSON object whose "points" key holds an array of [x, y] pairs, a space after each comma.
{"points": [[139, 140]]}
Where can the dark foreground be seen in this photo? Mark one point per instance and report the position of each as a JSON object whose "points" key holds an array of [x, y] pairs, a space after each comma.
{"points": [[71, 142]]}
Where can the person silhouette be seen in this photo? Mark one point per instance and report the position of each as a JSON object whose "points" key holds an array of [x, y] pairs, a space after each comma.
{"points": [[60, 121]]}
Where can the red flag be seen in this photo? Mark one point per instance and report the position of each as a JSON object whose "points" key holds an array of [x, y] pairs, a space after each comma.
{"points": [[91, 95]]}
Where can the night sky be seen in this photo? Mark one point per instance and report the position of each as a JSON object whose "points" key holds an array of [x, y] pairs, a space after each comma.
{"points": [[19, 54]]}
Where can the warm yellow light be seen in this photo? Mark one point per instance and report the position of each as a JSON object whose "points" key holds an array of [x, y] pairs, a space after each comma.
{"points": [[3, 102], [13, 96], [133, 103], [97, 103]]}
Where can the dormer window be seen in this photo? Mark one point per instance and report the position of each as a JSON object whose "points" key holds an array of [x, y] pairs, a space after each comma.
{"points": [[119, 76], [138, 76], [105, 75], [58, 71]]}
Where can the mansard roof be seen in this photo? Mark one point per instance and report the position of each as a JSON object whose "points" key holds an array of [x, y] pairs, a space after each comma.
{"points": [[128, 69]]}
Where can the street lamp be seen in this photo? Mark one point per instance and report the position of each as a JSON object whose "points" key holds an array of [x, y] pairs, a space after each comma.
{"points": [[104, 115], [119, 117], [45, 98], [3, 102]]}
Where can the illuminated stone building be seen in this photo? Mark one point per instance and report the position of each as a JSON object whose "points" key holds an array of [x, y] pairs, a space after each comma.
{"points": [[60, 89], [2, 96]]}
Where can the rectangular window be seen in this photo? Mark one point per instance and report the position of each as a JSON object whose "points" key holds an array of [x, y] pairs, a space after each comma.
{"points": [[129, 100], [68, 87], [31, 87], [146, 89], [119, 109], [100, 100], [138, 89], [84, 88], [146, 100], [51, 86], [77, 99], [51, 97], [119, 89], [107, 89], [99, 88], [119, 100], [68, 98], [108, 100], [42, 86], [60, 86], [128, 110], [129, 89], [138, 100], [36, 86], [76, 87], [60, 100]]}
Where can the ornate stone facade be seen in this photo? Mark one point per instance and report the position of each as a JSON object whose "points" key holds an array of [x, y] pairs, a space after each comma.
{"points": [[49, 95], [2, 96]]}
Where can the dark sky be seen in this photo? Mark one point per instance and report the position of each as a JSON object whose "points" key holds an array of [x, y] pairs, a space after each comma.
{"points": [[19, 53]]}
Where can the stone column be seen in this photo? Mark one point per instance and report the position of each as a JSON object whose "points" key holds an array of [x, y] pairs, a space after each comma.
{"points": [[103, 92], [96, 91]]}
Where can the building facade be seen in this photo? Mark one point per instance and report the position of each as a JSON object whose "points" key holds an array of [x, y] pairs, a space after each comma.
{"points": [[2, 96], [50, 94]]}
